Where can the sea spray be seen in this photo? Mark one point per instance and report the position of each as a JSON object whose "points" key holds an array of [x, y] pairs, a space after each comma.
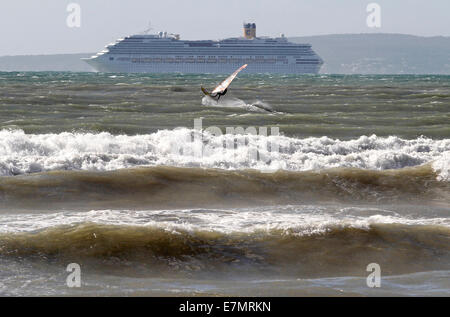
{"points": [[22, 153]]}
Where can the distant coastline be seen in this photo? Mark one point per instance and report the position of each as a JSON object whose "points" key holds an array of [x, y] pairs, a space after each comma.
{"points": [[381, 53], [51, 62], [342, 53]]}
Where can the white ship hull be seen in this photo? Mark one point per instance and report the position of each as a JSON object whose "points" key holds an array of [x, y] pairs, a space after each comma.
{"points": [[107, 66]]}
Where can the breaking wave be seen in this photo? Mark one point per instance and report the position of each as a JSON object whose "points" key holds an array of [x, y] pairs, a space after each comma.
{"points": [[340, 246], [175, 187], [22, 153]]}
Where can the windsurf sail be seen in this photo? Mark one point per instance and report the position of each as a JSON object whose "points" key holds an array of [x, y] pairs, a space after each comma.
{"points": [[224, 85], [205, 91]]}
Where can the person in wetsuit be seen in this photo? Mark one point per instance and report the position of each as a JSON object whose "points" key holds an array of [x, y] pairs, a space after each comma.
{"points": [[220, 94]]}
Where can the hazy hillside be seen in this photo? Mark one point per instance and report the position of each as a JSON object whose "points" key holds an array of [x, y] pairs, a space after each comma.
{"points": [[59, 62], [381, 53], [343, 54]]}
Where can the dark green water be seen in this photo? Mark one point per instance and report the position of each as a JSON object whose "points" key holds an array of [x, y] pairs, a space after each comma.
{"points": [[309, 105], [95, 169]]}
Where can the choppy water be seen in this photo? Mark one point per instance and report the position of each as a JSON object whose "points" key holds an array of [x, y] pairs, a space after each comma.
{"points": [[105, 171]]}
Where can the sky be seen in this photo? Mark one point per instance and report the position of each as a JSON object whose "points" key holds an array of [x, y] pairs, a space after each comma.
{"points": [[40, 27]]}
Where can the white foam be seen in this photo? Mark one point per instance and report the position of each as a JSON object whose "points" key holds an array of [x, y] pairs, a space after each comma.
{"points": [[28, 153], [442, 166], [256, 106], [289, 220]]}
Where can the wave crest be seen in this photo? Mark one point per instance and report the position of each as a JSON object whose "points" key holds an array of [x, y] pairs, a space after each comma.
{"points": [[29, 153], [339, 250]]}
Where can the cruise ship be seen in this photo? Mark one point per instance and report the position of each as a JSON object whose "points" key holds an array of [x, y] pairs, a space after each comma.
{"points": [[167, 53]]}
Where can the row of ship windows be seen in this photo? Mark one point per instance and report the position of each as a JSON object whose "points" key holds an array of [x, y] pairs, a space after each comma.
{"points": [[202, 60], [198, 53], [225, 57], [213, 68], [180, 44], [224, 54], [212, 48], [202, 57], [184, 54], [245, 49], [216, 50], [308, 62]]}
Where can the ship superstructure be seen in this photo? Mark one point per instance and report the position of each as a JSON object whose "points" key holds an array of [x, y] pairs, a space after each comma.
{"points": [[167, 53]]}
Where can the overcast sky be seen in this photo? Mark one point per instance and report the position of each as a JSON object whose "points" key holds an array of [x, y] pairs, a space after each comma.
{"points": [[39, 26]]}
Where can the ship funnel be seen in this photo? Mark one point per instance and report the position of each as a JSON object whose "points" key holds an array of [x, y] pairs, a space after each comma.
{"points": [[249, 30]]}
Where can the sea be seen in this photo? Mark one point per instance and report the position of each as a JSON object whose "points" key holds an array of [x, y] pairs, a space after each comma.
{"points": [[296, 185]]}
